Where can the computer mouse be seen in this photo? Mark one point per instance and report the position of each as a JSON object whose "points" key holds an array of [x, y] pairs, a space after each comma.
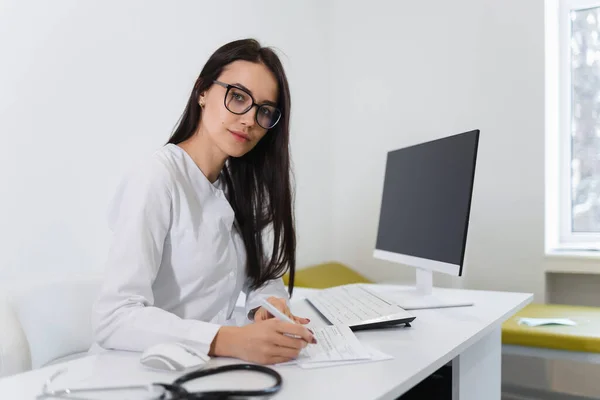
{"points": [[173, 357]]}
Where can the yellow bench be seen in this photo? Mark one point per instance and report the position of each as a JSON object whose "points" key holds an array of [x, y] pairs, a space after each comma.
{"points": [[580, 342], [326, 275]]}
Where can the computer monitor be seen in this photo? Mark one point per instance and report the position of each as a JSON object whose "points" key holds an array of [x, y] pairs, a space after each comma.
{"points": [[425, 208]]}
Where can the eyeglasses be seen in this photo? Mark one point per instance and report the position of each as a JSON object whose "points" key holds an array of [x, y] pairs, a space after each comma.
{"points": [[239, 101]]}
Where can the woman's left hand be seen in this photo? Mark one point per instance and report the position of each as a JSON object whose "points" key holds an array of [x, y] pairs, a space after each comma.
{"points": [[279, 303]]}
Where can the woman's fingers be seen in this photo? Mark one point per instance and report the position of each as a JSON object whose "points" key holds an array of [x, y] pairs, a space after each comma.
{"points": [[282, 306], [301, 320], [296, 330], [263, 314], [272, 341], [285, 352], [283, 340]]}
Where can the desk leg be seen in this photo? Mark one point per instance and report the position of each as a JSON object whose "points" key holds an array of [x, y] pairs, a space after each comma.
{"points": [[476, 372]]}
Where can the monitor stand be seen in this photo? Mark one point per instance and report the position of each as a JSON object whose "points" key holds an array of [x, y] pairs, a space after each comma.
{"points": [[422, 297]]}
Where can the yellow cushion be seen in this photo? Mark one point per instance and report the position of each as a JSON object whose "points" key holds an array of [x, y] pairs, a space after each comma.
{"points": [[326, 275], [585, 336]]}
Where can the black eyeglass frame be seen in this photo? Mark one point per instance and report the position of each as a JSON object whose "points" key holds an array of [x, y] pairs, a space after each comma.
{"points": [[229, 87]]}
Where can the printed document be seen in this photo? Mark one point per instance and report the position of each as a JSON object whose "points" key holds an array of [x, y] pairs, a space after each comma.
{"points": [[334, 343]]}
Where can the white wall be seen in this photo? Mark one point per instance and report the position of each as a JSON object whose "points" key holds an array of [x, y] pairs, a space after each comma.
{"points": [[89, 87], [408, 72]]}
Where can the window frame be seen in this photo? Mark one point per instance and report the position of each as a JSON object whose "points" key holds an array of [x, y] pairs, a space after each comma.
{"points": [[567, 239]]}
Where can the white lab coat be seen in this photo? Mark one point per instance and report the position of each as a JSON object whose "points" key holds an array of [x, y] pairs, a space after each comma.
{"points": [[176, 265]]}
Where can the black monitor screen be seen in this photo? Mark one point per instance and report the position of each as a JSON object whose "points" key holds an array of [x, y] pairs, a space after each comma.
{"points": [[426, 199]]}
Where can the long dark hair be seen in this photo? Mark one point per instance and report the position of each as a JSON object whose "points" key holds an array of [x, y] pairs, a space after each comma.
{"points": [[258, 183]]}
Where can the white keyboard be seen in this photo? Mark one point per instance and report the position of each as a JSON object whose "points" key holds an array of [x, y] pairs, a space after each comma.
{"points": [[356, 306]]}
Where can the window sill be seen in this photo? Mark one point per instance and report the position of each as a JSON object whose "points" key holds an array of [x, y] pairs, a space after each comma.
{"points": [[573, 261]]}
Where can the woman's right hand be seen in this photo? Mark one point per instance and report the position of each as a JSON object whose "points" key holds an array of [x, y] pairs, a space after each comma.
{"points": [[263, 342]]}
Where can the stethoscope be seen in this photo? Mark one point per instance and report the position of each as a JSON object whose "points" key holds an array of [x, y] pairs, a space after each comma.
{"points": [[175, 390]]}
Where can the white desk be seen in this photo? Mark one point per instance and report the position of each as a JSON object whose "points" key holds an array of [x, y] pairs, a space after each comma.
{"points": [[467, 336]]}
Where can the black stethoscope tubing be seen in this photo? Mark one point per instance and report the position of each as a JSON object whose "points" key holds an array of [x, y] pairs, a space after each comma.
{"points": [[176, 391]]}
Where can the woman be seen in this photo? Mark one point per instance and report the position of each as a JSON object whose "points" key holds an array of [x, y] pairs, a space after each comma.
{"points": [[190, 224]]}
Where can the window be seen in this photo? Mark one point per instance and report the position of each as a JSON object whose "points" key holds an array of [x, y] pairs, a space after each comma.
{"points": [[579, 124]]}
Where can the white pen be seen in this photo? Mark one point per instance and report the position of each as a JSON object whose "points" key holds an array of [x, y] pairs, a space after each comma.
{"points": [[279, 315], [276, 313]]}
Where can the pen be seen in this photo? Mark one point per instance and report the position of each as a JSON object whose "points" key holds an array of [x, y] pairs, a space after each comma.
{"points": [[276, 313], [279, 315]]}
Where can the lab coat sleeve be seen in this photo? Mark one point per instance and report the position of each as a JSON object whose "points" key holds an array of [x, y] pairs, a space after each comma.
{"points": [[123, 316], [273, 287]]}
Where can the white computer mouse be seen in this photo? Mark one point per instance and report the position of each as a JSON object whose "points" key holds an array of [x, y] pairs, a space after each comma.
{"points": [[173, 357]]}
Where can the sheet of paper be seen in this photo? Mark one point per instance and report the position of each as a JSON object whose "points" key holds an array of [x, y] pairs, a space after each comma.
{"points": [[334, 343], [546, 321], [374, 355]]}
